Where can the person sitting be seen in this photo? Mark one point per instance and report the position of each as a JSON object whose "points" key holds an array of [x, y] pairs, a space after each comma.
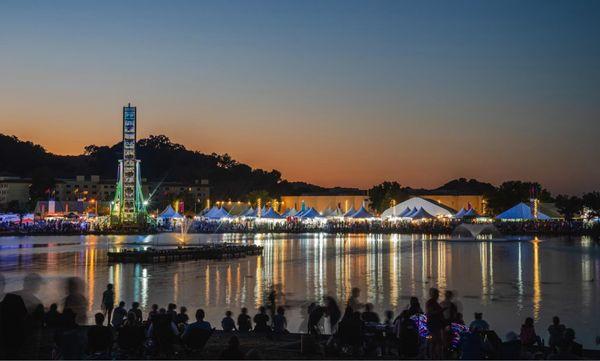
{"points": [[69, 339], [228, 323], [131, 336], [279, 321], [369, 315], [164, 332], [568, 348], [119, 315], [261, 320], [182, 317], [197, 333], [479, 324], [232, 352], [52, 317], [315, 314], [153, 312], [244, 321], [135, 308], [556, 331], [100, 338], [528, 336]]}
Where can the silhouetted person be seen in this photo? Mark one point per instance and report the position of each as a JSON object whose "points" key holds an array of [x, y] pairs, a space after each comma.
{"points": [[244, 321], [199, 324], [450, 309], [369, 315], [528, 336], [108, 302], [228, 323], [479, 324], [164, 332], [334, 313], [153, 312], [13, 315], [31, 286], [172, 311], [182, 317], [353, 301], [261, 320], [435, 322], [279, 321], [568, 348], [232, 352], [99, 338], [314, 318], [119, 314], [52, 317], [135, 308], [407, 333], [557, 333], [70, 340], [75, 301], [414, 307], [131, 336]]}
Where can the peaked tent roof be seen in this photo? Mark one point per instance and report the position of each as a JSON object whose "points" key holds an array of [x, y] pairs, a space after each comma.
{"points": [[290, 212], [337, 213], [350, 212], [471, 213], [411, 213], [270, 213], [217, 213], [430, 206], [362, 213], [327, 212], [310, 213], [250, 212], [404, 212], [521, 211], [169, 212], [422, 214], [460, 213]]}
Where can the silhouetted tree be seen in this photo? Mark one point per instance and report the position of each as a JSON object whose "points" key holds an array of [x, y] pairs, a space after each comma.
{"points": [[568, 206]]}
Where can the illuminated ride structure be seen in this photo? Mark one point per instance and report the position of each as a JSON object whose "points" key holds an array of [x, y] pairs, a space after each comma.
{"points": [[128, 210]]}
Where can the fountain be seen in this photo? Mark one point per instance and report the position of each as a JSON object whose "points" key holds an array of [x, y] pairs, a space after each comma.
{"points": [[186, 223]]}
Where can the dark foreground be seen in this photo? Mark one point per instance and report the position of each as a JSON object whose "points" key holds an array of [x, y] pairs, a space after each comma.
{"points": [[293, 346]]}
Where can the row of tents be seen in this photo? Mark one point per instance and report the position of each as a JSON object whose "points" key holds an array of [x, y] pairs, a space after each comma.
{"points": [[414, 208]]}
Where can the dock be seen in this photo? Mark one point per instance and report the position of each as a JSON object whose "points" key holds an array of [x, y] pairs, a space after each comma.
{"points": [[221, 251]]}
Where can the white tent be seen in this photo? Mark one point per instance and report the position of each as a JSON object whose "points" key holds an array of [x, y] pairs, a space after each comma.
{"points": [[428, 205], [10, 217], [403, 213], [250, 212], [327, 212], [521, 211], [336, 213], [217, 213], [470, 213]]}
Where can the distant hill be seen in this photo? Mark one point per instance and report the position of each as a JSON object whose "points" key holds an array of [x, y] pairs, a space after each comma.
{"points": [[161, 160], [463, 186]]}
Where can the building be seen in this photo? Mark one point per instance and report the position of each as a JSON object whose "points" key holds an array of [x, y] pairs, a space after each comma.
{"points": [[14, 192], [322, 202], [85, 188], [456, 202], [158, 194]]}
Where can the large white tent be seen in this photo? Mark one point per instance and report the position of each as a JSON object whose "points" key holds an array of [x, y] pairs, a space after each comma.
{"points": [[428, 205], [521, 211], [216, 213]]}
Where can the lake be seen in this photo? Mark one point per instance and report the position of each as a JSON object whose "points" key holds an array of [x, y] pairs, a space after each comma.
{"points": [[506, 281]]}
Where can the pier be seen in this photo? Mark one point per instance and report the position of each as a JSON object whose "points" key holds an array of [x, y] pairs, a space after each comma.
{"points": [[213, 251]]}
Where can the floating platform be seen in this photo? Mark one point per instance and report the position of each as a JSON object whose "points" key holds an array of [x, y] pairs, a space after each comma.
{"points": [[213, 251]]}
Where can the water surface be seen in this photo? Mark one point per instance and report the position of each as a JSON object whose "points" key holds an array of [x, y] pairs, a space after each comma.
{"points": [[506, 281]]}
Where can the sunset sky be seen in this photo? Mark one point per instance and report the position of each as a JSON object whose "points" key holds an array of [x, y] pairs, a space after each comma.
{"points": [[347, 93]]}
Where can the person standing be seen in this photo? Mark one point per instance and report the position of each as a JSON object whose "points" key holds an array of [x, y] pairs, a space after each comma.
{"points": [[108, 302], [435, 323]]}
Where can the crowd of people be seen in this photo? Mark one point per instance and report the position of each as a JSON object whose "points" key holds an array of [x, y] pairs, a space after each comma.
{"points": [[50, 226], [432, 226], [437, 331]]}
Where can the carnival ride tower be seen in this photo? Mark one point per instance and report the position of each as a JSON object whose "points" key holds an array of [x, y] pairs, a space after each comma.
{"points": [[129, 208]]}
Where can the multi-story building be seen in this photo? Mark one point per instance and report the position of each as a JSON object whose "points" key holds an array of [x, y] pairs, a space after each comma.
{"points": [[93, 187], [14, 190]]}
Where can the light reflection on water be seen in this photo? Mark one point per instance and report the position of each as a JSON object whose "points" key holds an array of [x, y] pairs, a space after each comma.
{"points": [[507, 281]]}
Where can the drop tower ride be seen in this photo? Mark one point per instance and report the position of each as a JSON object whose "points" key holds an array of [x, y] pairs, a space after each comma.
{"points": [[129, 207]]}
